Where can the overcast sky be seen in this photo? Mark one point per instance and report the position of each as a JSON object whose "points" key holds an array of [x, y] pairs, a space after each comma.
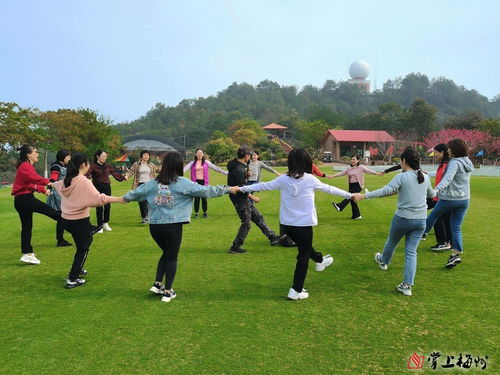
{"points": [[121, 57]]}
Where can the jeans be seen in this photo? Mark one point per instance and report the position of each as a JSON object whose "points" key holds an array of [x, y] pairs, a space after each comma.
{"points": [[80, 230], [303, 237], [169, 238], [412, 229], [353, 188], [457, 210]]}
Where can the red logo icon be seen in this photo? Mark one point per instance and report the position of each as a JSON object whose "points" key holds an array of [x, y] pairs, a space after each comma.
{"points": [[416, 362]]}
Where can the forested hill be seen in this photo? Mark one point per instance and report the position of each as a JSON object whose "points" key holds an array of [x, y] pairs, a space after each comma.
{"points": [[337, 103]]}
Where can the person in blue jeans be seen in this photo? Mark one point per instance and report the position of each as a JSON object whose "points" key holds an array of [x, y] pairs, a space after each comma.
{"points": [[454, 193], [412, 187]]}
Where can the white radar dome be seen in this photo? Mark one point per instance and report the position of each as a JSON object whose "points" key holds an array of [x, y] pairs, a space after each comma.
{"points": [[359, 69]]}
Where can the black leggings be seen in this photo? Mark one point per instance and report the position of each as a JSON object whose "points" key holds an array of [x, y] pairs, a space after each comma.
{"points": [[353, 188], [303, 237], [80, 230], [169, 238], [204, 204], [25, 205], [104, 212], [143, 205]]}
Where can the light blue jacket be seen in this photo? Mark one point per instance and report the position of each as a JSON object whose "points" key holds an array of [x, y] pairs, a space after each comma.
{"points": [[172, 203]]}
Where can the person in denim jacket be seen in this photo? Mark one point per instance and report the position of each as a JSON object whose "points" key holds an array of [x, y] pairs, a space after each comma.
{"points": [[170, 198]]}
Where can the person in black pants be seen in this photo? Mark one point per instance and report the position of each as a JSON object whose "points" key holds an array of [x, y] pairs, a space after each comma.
{"points": [[26, 182], [246, 211], [99, 172]]}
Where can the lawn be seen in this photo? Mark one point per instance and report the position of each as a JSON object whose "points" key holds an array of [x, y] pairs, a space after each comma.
{"points": [[231, 315]]}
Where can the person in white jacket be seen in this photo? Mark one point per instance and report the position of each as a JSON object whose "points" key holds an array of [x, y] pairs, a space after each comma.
{"points": [[298, 213]]}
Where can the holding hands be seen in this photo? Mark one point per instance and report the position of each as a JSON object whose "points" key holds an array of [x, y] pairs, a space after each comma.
{"points": [[356, 197]]}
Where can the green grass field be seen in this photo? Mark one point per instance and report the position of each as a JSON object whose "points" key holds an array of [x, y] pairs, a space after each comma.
{"points": [[231, 315]]}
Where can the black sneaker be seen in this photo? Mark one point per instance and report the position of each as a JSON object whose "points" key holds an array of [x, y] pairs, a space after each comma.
{"points": [[276, 239], [336, 206], [287, 242], [63, 243], [84, 272], [424, 237], [94, 229], [74, 284], [205, 215], [441, 246], [157, 288], [238, 250], [196, 215], [453, 261]]}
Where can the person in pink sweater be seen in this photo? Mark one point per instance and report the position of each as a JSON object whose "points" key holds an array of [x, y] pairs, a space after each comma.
{"points": [[356, 178], [78, 194]]}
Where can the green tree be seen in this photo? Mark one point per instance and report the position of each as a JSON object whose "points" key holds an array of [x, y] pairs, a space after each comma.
{"points": [[221, 149], [17, 125], [421, 117], [311, 134]]}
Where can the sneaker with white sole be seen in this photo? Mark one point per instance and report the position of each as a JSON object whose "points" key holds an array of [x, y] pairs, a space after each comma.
{"points": [[441, 246], [294, 295], [378, 260], [74, 284], [336, 206], [405, 289], [106, 227], [357, 218], [327, 260], [168, 296], [30, 259], [157, 288], [453, 261]]}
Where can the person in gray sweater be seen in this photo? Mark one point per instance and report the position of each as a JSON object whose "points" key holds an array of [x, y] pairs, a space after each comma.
{"points": [[454, 194], [412, 187], [255, 167]]}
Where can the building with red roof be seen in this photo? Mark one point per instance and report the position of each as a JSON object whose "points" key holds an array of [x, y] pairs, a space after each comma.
{"points": [[355, 142], [276, 130]]}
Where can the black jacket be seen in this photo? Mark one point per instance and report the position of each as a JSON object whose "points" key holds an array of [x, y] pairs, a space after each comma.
{"points": [[237, 176]]}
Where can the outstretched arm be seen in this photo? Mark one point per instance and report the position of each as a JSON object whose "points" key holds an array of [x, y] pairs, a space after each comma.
{"points": [[216, 168]]}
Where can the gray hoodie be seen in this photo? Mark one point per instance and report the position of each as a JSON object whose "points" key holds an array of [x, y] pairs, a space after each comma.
{"points": [[455, 184]]}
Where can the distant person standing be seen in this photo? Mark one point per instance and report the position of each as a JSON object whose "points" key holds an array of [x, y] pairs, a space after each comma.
{"points": [[199, 173], [356, 179], [255, 167], [99, 172], [26, 182], [143, 171], [57, 173]]}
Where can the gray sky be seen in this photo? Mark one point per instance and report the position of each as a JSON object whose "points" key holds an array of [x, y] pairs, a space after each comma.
{"points": [[122, 57]]}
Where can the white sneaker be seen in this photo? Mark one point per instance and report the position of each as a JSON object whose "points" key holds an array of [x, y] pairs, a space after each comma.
{"points": [[106, 227], [293, 294], [327, 260], [405, 289], [378, 260], [168, 296], [31, 259], [100, 231]]}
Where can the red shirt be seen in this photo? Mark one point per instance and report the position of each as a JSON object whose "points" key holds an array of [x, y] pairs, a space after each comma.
{"points": [[439, 174], [317, 172], [28, 181]]}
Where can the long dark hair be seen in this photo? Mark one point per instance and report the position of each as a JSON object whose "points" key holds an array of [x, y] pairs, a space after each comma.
{"points": [[73, 168], [299, 162], [171, 168], [202, 159], [97, 154], [357, 158], [24, 150], [410, 155], [442, 148]]}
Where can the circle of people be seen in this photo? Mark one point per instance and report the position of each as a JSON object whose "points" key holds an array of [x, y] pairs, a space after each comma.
{"points": [[165, 199]]}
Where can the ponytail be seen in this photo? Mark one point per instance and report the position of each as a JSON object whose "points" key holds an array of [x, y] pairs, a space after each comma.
{"points": [[24, 151], [410, 155], [73, 168]]}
